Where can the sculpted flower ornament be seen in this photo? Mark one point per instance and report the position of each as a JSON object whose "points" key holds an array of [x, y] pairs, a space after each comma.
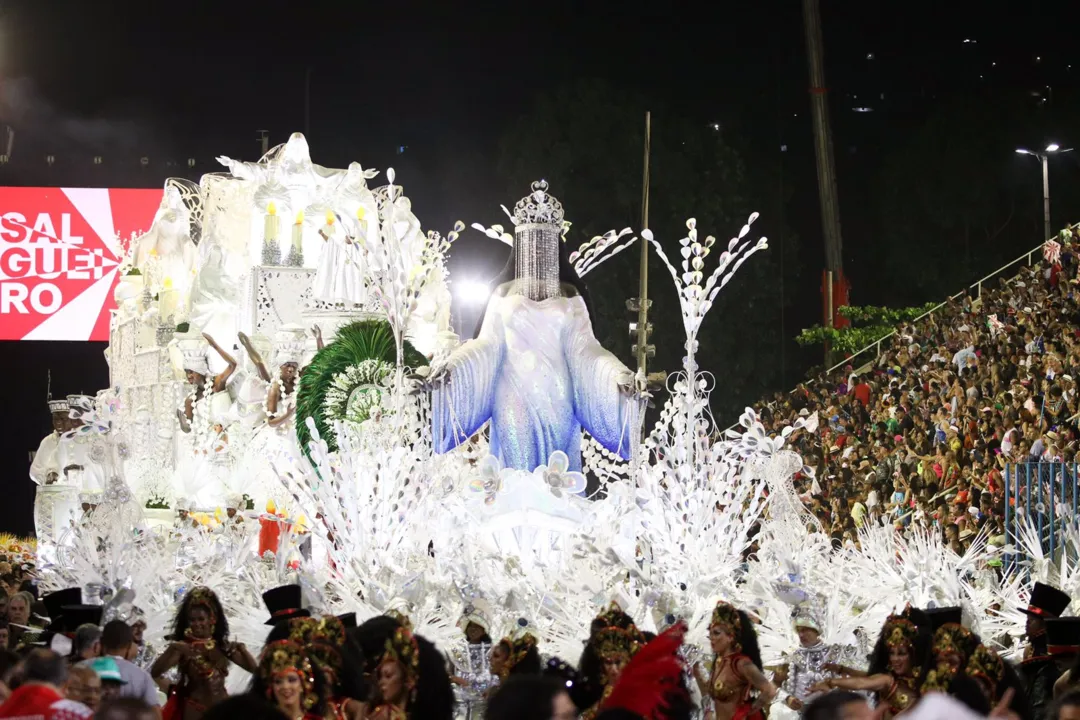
{"points": [[557, 477], [490, 480]]}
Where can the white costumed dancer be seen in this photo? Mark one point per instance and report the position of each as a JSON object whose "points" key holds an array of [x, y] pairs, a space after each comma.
{"points": [[56, 504], [275, 440], [203, 457], [805, 665], [45, 468]]}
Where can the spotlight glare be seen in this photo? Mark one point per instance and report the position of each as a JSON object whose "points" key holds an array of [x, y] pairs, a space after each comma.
{"points": [[472, 292]]}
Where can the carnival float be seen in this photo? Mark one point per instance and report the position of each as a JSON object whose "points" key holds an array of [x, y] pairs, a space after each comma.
{"points": [[288, 403]]}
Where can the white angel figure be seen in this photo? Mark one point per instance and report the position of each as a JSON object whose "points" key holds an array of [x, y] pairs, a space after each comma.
{"points": [[167, 246], [352, 218]]}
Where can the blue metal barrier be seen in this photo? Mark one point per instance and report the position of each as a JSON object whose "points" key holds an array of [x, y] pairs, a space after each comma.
{"points": [[1047, 494]]}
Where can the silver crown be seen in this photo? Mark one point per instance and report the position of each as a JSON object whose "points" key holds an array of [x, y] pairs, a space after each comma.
{"points": [[58, 406], [538, 207]]}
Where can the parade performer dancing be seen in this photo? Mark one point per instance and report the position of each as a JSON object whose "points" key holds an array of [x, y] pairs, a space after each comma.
{"points": [[614, 647], [197, 371], [736, 667], [338, 658], [896, 665], [592, 680], [203, 465], [536, 370], [433, 698], [288, 678], [808, 664], [275, 438], [398, 672], [45, 469], [202, 652], [56, 508], [515, 656]]}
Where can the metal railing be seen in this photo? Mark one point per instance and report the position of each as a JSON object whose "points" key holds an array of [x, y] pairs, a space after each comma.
{"points": [[1027, 257], [1046, 495]]}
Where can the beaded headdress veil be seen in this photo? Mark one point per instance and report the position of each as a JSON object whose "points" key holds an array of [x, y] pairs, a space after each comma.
{"points": [[538, 218]]}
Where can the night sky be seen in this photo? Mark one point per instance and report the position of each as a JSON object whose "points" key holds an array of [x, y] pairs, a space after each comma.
{"points": [[443, 81]]}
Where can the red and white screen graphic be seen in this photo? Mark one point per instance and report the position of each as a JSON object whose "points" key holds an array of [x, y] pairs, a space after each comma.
{"points": [[60, 253]]}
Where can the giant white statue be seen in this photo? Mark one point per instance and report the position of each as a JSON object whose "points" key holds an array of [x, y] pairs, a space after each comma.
{"points": [[536, 371]]}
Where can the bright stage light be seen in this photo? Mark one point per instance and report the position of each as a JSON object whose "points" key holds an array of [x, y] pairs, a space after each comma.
{"points": [[472, 292]]}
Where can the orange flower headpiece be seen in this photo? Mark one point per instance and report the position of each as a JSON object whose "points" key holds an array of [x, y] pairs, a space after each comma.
{"points": [[614, 616], [952, 638], [519, 648], [302, 630], [899, 632], [615, 643], [325, 644], [405, 620], [285, 656], [986, 666], [939, 679], [402, 648], [727, 615], [204, 597]]}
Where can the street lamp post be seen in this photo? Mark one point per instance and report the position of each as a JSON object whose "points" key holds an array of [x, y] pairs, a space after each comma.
{"points": [[1052, 148]]}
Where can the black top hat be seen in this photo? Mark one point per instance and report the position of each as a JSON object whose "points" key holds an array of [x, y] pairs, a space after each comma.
{"points": [[284, 603], [1063, 635], [72, 616], [1047, 602], [917, 616], [348, 620], [944, 616], [54, 601]]}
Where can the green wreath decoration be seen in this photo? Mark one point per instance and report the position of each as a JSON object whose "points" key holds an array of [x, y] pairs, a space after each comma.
{"points": [[346, 379]]}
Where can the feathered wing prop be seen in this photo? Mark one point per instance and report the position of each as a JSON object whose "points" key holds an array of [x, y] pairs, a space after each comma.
{"points": [[650, 681], [1004, 626]]}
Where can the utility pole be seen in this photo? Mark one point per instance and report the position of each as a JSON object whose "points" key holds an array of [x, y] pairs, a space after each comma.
{"points": [[823, 150], [1044, 158], [640, 330], [1046, 197], [264, 141]]}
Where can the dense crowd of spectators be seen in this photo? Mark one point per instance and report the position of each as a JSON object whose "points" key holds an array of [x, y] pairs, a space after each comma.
{"points": [[923, 436]]}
